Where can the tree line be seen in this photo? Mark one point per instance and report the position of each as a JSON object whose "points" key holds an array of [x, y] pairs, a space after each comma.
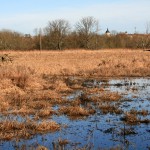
{"points": [[59, 35]]}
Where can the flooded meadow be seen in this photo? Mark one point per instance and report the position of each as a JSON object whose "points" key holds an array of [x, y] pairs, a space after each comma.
{"points": [[95, 114]]}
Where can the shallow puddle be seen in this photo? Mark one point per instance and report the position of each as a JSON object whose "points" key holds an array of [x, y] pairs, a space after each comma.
{"points": [[100, 130]]}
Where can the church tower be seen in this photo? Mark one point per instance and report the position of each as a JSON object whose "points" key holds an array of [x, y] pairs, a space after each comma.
{"points": [[107, 32]]}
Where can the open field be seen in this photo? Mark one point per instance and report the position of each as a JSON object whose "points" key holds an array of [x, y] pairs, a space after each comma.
{"points": [[103, 63], [38, 87]]}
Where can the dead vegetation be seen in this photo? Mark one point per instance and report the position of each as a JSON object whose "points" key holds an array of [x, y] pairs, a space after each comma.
{"points": [[110, 96], [133, 119], [14, 129], [60, 144], [5, 58], [35, 82], [108, 108], [105, 63], [140, 112], [76, 111]]}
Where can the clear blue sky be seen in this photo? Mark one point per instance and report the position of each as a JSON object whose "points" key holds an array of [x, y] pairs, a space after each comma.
{"points": [[120, 15]]}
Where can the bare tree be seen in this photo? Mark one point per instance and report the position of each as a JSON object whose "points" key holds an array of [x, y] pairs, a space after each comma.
{"points": [[57, 31], [38, 38], [147, 27], [14, 40], [87, 28]]}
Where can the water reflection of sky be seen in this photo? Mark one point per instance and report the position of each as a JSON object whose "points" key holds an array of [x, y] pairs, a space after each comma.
{"points": [[100, 131], [136, 90]]}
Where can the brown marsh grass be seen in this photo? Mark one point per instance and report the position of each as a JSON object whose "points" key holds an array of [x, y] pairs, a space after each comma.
{"points": [[45, 112], [75, 111], [107, 108], [141, 112], [110, 63], [110, 96], [41, 148], [99, 95], [13, 129], [133, 118], [36, 81]]}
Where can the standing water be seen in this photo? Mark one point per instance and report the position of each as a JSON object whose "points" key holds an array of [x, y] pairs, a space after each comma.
{"points": [[126, 128]]}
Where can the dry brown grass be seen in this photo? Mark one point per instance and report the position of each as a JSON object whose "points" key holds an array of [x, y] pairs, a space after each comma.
{"points": [[47, 126], [75, 111], [45, 112], [36, 74], [108, 108], [60, 144], [132, 118], [99, 95], [81, 62], [14, 129], [141, 112], [63, 142], [37, 80], [41, 148], [110, 96]]}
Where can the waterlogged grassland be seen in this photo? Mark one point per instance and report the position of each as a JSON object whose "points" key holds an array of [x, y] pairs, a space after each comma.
{"points": [[75, 99]]}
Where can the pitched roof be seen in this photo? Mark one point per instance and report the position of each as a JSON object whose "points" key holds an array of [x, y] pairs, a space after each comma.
{"points": [[107, 31]]}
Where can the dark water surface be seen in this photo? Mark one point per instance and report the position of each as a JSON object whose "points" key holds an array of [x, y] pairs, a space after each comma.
{"points": [[99, 131]]}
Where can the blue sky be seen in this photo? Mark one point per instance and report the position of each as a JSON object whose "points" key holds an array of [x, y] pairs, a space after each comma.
{"points": [[120, 15]]}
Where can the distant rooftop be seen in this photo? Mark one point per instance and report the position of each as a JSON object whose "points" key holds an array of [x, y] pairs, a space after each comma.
{"points": [[107, 31]]}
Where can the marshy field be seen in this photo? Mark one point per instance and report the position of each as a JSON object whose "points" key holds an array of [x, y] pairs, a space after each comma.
{"points": [[75, 99]]}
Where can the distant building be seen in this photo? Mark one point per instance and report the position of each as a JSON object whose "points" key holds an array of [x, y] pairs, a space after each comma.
{"points": [[107, 32]]}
